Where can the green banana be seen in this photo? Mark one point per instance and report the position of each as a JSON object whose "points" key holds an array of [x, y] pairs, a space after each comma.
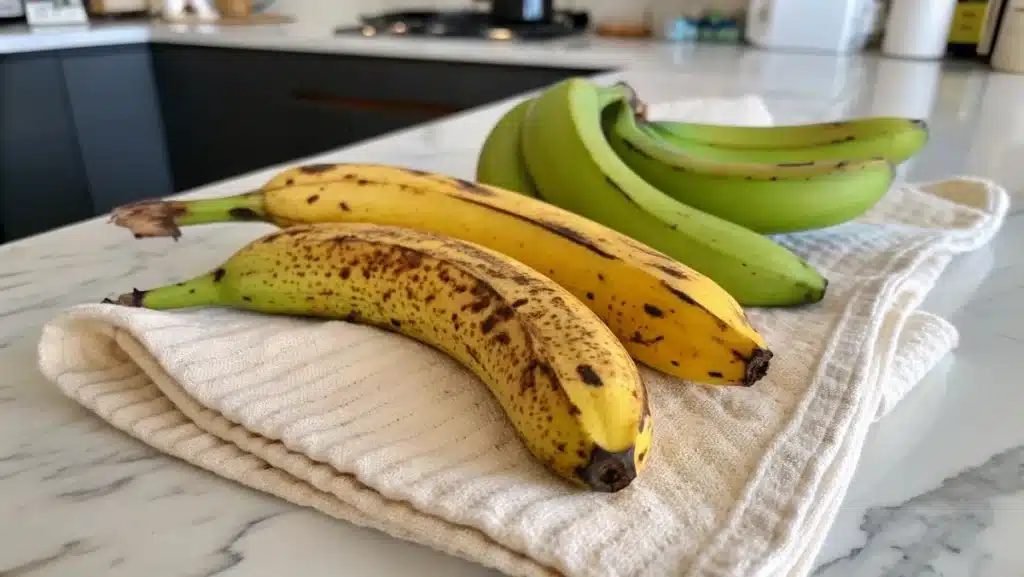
{"points": [[764, 197], [500, 162], [895, 139], [573, 166]]}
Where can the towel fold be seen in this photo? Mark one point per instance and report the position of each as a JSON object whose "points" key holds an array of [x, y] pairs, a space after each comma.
{"points": [[377, 429]]}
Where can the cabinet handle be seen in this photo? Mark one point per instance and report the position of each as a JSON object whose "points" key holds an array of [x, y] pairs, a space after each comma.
{"points": [[323, 98]]}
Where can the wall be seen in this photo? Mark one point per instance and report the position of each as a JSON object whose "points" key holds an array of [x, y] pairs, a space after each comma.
{"points": [[330, 13]]}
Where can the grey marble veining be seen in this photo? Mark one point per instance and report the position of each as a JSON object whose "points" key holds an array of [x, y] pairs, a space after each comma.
{"points": [[937, 532], [939, 491]]}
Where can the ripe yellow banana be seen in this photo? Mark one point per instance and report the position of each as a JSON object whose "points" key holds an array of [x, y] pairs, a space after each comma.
{"points": [[669, 316], [566, 383]]}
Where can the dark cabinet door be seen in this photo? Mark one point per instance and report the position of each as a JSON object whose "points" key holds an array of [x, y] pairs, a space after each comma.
{"points": [[115, 108], [42, 178], [230, 111], [215, 117]]}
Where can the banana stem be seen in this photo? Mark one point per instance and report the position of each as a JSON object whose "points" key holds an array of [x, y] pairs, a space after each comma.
{"points": [[200, 291], [624, 91], [156, 218]]}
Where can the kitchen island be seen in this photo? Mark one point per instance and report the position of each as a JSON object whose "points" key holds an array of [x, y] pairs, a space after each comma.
{"points": [[940, 486]]}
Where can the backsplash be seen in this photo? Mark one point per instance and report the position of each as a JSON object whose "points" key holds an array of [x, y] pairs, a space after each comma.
{"points": [[320, 13]]}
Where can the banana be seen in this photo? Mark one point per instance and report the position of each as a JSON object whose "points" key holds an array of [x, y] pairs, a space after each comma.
{"points": [[764, 197], [573, 166], [669, 316], [566, 383], [500, 162], [895, 139]]}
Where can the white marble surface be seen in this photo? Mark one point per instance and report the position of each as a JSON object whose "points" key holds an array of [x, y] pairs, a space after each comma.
{"points": [[939, 490]]}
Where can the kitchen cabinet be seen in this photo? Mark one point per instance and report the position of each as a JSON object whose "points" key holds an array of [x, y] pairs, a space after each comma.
{"points": [[230, 111], [80, 132], [85, 130], [116, 113], [42, 179]]}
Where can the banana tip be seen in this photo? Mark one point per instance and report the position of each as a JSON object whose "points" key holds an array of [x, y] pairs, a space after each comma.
{"points": [[639, 106], [757, 366], [149, 218], [608, 472]]}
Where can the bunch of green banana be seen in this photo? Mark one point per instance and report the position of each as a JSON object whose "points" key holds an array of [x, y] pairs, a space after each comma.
{"points": [[563, 379], [501, 162], [766, 197], [893, 138], [703, 194], [669, 316], [572, 164]]}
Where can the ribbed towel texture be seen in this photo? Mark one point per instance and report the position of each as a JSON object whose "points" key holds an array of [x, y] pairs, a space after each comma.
{"points": [[376, 429]]}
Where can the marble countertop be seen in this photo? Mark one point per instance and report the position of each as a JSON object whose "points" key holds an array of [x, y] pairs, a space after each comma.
{"points": [[939, 488], [818, 74]]}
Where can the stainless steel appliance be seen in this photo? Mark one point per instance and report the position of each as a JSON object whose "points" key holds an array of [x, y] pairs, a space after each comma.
{"points": [[523, 10], [468, 24]]}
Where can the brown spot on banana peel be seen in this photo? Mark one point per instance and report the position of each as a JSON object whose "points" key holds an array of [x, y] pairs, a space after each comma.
{"points": [[795, 164], [317, 168], [474, 187], [682, 296], [672, 271], [561, 230], [218, 274], [589, 376], [640, 340], [488, 324], [653, 311], [312, 199], [472, 352]]}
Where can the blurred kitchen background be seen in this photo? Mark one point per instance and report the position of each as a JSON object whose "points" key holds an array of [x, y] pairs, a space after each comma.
{"points": [[87, 127], [987, 30]]}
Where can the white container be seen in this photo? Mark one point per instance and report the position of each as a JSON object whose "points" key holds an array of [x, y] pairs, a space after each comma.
{"points": [[1008, 50], [918, 28], [833, 26], [905, 88]]}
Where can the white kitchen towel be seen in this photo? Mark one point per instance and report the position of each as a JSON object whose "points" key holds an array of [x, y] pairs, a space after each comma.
{"points": [[373, 428]]}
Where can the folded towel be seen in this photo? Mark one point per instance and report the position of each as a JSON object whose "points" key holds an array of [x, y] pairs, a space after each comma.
{"points": [[379, 430]]}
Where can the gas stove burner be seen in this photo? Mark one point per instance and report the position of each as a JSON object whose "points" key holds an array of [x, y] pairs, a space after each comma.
{"points": [[460, 24]]}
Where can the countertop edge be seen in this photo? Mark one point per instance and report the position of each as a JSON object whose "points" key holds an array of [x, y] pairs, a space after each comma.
{"points": [[557, 53]]}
